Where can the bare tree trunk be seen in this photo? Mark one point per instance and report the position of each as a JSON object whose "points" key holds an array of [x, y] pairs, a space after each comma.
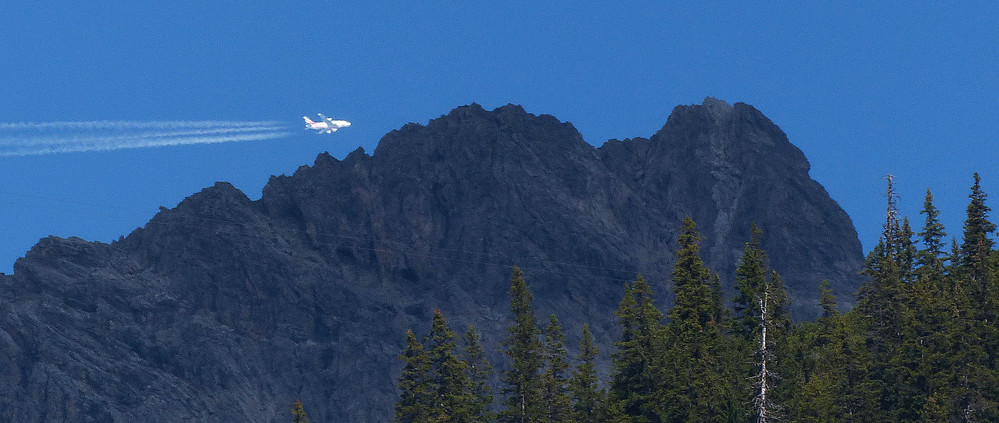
{"points": [[764, 407]]}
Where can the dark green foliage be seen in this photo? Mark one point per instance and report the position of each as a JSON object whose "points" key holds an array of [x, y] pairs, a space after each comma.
{"points": [[827, 300], [780, 307], [453, 397], [695, 308], [931, 258], [834, 383], [479, 371], [298, 413], [698, 376], [905, 252], [977, 246], [438, 386], [416, 396], [750, 281], [634, 379], [756, 290], [922, 345], [522, 380], [584, 385], [886, 317], [555, 378]]}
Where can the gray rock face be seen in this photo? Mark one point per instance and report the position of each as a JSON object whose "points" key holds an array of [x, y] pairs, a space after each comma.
{"points": [[226, 309]]}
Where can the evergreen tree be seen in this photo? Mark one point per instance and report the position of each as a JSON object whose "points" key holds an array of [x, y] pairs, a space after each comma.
{"points": [[954, 259], [772, 350], [698, 384], [584, 385], [779, 312], [522, 379], [921, 345], [612, 411], [884, 309], [961, 382], [933, 298], [750, 282], [555, 379], [298, 413], [835, 385], [453, 389], [479, 372], [879, 296], [416, 398], [931, 343], [978, 275], [827, 301], [694, 309], [977, 246], [905, 253], [635, 362], [930, 259]]}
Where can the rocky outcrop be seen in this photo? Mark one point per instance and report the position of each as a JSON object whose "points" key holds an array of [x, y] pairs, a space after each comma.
{"points": [[227, 309]]}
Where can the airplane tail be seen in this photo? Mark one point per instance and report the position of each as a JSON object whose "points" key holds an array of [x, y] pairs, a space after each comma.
{"points": [[307, 120]]}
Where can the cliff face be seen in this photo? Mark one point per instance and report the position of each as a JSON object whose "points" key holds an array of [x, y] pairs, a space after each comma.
{"points": [[226, 309]]}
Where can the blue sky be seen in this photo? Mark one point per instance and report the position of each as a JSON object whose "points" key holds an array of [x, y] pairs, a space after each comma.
{"points": [[901, 88]]}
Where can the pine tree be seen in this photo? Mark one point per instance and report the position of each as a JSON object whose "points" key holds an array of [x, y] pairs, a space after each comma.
{"points": [[694, 308], [452, 393], [584, 385], [555, 378], [479, 372], [836, 386], [977, 246], [887, 307], [930, 259], [522, 379], [416, 398], [905, 253], [827, 301], [635, 362], [780, 307], [750, 281], [698, 384], [932, 297], [879, 297], [978, 275], [298, 413]]}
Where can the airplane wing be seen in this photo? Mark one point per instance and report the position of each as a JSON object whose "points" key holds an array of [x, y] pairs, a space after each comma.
{"points": [[321, 117]]}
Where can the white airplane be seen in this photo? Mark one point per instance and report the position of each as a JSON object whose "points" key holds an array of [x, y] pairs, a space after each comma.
{"points": [[325, 124]]}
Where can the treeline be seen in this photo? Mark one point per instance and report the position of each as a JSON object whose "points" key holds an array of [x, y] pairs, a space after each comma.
{"points": [[921, 345]]}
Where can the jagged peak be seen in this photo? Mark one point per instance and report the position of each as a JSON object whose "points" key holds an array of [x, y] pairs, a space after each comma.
{"points": [[714, 114], [52, 250], [214, 198], [720, 109], [472, 122], [324, 159]]}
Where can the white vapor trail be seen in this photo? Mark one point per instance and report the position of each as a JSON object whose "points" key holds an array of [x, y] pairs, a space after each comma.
{"points": [[127, 124], [23, 139]]}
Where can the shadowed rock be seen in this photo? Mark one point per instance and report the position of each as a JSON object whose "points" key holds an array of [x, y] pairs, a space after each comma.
{"points": [[227, 309]]}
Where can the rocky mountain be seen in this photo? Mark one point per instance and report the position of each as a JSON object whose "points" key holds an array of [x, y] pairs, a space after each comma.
{"points": [[227, 309]]}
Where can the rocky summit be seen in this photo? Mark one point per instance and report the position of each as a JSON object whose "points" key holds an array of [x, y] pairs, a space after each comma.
{"points": [[226, 309]]}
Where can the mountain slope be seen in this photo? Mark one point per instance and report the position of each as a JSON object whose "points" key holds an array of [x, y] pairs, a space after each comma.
{"points": [[228, 309]]}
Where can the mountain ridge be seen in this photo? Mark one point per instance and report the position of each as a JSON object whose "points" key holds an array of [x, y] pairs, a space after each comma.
{"points": [[229, 308]]}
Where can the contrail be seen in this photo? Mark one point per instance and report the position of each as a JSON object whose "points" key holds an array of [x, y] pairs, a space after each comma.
{"points": [[30, 138], [126, 124], [119, 139]]}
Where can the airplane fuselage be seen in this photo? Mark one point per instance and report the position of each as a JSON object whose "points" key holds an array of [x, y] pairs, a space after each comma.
{"points": [[325, 124]]}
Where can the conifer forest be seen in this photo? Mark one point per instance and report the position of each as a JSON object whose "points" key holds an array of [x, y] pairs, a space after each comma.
{"points": [[921, 344]]}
